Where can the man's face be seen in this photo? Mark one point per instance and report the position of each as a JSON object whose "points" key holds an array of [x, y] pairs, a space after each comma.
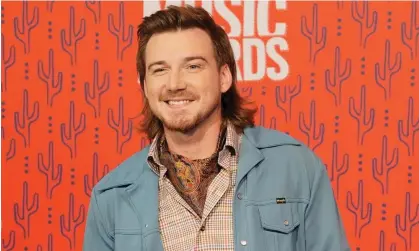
{"points": [[183, 84]]}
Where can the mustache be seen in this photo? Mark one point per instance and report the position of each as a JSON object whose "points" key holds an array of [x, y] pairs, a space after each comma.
{"points": [[178, 95]]}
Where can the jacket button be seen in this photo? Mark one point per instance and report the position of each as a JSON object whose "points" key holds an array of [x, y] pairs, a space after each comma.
{"points": [[239, 196], [286, 223], [243, 242]]}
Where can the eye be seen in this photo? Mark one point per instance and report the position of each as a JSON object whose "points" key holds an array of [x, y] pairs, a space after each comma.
{"points": [[194, 67], [158, 70]]}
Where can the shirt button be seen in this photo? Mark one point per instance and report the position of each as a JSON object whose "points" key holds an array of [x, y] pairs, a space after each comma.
{"points": [[243, 242], [239, 196], [202, 228]]}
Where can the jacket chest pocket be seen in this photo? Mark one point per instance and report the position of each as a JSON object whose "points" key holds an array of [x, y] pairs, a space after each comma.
{"points": [[279, 224], [128, 240]]}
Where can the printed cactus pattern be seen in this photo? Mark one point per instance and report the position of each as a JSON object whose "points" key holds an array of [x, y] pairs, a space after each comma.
{"points": [[53, 174], [23, 212], [71, 37], [24, 25], [123, 37], [309, 127], [71, 106], [361, 210], [54, 86], [364, 117], [334, 86], [70, 131], [317, 41], [70, 222], [121, 126], [93, 97], [6, 62], [410, 31], [407, 137], [384, 77], [367, 20], [284, 96], [406, 223], [381, 169], [25, 119]]}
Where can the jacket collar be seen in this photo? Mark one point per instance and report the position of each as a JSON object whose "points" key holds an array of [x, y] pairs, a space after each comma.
{"points": [[254, 139]]}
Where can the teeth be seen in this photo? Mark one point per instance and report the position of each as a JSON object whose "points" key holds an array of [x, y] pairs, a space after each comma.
{"points": [[178, 102]]}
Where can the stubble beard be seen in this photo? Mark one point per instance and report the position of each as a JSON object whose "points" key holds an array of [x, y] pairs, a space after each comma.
{"points": [[186, 124]]}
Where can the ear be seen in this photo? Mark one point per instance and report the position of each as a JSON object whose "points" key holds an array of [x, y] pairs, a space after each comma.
{"points": [[226, 79]]}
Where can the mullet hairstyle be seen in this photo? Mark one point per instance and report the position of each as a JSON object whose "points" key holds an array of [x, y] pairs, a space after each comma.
{"points": [[175, 18]]}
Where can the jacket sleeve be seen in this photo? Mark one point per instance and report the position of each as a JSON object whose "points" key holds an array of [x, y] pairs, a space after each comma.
{"points": [[96, 236], [324, 228]]}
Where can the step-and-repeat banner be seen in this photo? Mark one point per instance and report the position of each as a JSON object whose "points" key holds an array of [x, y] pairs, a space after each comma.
{"points": [[340, 76]]}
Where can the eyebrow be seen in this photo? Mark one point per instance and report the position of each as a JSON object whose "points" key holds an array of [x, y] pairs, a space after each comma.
{"points": [[187, 59]]}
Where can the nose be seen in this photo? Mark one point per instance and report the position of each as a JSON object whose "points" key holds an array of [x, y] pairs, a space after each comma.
{"points": [[176, 81]]}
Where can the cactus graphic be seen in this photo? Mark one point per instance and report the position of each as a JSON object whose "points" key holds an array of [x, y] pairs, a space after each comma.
{"points": [[412, 127], [69, 138], [123, 132], [367, 26], [123, 40], [74, 37], [262, 118], [362, 215], [247, 91], [317, 42], [23, 212], [94, 98], [95, 175], [10, 245], [404, 227], [410, 37], [384, 78], [382, 243], [336, 170], [6, 63], [23, 30], [50, 5], [50, 244], [23, 120], [284, 102], [94, 7], [12, 146], [314, 137], [340, 3], [335, 86], [53, 86], [52, 173], [365, 124], [381, 173], [70, 223]]}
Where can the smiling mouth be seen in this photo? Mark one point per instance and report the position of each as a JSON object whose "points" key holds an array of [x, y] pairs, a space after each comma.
{"points": [[178, 102]]}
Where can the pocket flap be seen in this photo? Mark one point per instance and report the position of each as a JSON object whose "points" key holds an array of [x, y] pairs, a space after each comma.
{"points": [[278, 217]]}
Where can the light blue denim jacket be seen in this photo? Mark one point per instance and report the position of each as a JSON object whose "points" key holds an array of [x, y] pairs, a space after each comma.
{"points": [[283, 201]]}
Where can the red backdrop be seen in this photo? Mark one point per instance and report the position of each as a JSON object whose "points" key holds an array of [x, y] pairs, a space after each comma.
{"points": [[340, 76]]}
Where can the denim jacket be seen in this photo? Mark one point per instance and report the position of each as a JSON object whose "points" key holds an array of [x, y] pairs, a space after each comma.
{"points": [[283, 201]]}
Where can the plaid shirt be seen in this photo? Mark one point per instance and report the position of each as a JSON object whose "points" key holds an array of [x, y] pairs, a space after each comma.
{"points": [[181, 228]]}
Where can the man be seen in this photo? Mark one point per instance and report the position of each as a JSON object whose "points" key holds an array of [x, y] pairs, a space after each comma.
{"points": [[210, 180]]}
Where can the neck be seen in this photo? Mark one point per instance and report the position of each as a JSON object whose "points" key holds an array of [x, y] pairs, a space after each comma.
{"points": [[199, 144]]}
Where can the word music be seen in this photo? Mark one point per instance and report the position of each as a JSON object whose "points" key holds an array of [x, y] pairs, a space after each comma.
{"points": [[253, 43]]}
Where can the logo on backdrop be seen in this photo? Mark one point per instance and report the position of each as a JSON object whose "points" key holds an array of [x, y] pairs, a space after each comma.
{"points": [[258, 48]]}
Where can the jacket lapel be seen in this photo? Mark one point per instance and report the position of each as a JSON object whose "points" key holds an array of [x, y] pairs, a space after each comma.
{"points": [[144, 198], [249, 157]]}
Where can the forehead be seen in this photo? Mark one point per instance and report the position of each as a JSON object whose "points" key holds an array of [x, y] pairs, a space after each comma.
{"points": [[176, 45]]}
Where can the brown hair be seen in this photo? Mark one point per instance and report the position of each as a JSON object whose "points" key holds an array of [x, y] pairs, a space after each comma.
{"points": [[180, 18]]}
